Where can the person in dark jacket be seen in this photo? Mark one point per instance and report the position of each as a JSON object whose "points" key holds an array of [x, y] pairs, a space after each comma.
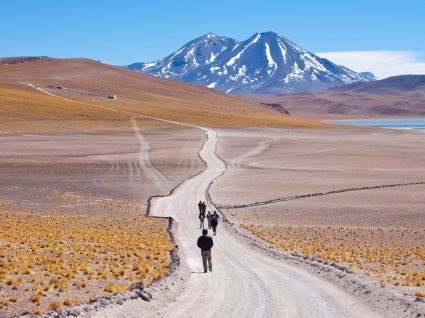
{"points": [[205, 243], [215, 215], [200, 206], [214, 223]]}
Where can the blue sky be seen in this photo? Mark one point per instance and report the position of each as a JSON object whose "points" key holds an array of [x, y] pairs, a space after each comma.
{"points": [[122, 32]]}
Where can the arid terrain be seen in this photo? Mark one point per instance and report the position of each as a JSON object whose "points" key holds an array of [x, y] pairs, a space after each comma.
{"points": [[374, 225], [80, 159], [87, 149]]}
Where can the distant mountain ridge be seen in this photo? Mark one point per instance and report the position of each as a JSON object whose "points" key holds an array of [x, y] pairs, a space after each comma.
{"points": [[264, 63], [391, 85]]}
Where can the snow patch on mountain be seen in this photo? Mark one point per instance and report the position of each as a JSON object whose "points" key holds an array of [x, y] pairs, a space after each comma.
{"points": [[272, 63]]}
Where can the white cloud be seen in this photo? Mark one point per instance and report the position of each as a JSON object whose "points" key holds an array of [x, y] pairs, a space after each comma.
{"points": [[381, 63]]}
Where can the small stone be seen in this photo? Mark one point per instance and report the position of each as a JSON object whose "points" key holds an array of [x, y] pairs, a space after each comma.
{"points": [[75, 312]]}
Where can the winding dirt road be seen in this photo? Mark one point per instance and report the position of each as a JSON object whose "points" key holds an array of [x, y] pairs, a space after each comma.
{"points": [[244, 282]]}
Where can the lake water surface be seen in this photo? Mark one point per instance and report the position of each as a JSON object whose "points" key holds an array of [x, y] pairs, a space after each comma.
{"points": [[394, 123]]}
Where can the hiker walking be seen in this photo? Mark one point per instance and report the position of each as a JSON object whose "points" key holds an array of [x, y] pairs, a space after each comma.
{"points": [[209, 218], [200, 206], [215, 215], [204, 207], [201, 219], [205, 243], [214, 222]]}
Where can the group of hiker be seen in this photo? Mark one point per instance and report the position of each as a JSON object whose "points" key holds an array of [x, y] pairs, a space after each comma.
{"points": [[205, 242], [212, 218]]}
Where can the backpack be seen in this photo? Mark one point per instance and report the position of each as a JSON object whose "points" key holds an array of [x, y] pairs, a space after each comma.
{"points": [[214, 222]]}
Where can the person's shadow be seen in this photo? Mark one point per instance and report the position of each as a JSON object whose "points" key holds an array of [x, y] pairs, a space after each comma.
{"points": [[197, 272]]}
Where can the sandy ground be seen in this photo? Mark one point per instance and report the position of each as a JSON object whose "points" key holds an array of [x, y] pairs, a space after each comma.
{"points": [[392, 207], [285, 163], [115, 166]]}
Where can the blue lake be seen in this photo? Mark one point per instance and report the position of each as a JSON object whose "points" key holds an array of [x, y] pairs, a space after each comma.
{"points": [[401, 123]]}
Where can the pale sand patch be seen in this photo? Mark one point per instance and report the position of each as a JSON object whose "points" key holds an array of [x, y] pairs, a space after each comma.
{"points": [[282, 163], [99, 164], [392, 207]]}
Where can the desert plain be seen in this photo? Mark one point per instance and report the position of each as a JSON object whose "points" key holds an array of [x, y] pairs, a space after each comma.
{"points": [[375, 231]]}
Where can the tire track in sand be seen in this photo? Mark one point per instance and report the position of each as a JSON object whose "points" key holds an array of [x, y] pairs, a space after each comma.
{"points": [[318, 194]]}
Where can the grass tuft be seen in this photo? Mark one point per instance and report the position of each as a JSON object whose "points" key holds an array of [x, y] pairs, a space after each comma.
{"points": [[116, 288]]}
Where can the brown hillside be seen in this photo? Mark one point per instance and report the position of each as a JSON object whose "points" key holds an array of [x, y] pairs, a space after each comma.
{"points": [[82, 85], [397, 96]]}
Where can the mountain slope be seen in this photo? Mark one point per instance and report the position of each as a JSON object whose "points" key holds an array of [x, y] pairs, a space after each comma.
{"points": [[80, 86], [180, 64], [265, 63]]}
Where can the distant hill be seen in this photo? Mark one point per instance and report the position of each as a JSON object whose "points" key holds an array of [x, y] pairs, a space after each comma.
{"points": [[82, 87], [402, 95], [391, 85], [266, 63], [22, 59]]}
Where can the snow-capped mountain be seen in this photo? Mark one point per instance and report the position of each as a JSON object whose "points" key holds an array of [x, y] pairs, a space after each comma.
{"points": [[265, 63], [181, 65]]}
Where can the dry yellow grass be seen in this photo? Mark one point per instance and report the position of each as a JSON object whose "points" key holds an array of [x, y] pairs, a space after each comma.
{"points": [[88, 83], [115, 288], [50, 259], [420, 293], [390, 255], [26, 110]]}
